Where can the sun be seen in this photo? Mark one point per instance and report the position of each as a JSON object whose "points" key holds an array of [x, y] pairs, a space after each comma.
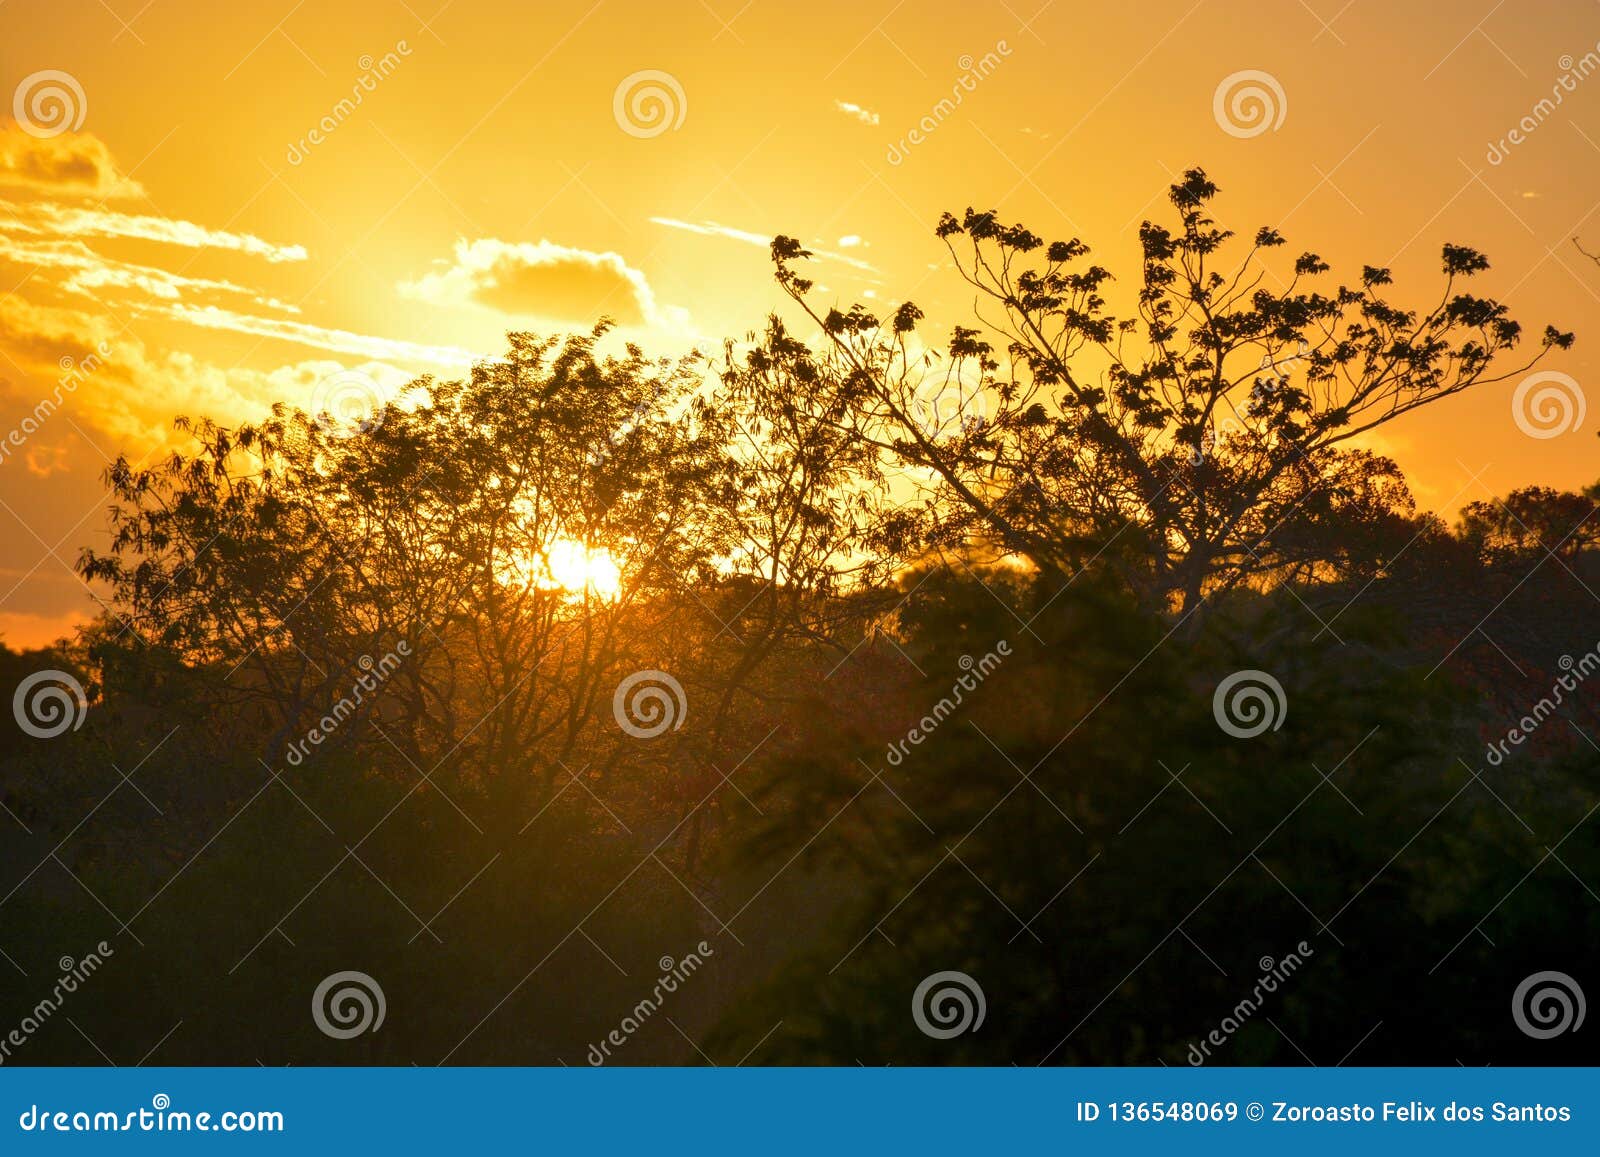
{"points": [[576, 568]]}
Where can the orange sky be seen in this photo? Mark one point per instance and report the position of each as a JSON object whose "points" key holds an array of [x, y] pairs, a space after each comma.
{"points": [[487, 179]]}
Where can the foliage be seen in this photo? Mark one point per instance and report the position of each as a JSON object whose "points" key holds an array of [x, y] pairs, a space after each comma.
{"points": [[1208, 432], [1044, 549]]}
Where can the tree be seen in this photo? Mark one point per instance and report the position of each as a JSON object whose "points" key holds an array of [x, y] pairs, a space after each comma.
{"points": [[290, 555], [1083, 838], [1182, 446], [285, 557], [1531, 521]]}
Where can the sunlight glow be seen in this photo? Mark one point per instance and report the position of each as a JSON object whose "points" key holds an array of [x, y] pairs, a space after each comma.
{"points": [[572, 567]]}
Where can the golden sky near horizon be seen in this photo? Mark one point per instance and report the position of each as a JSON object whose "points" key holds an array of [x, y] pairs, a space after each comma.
{"points": [[249, 202]]}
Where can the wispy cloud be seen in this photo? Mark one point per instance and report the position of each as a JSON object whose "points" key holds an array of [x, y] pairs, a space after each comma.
{"points": [[865, 115], [713, 229], [72, 221], [88, 272], [137, 388], [317, 337]]}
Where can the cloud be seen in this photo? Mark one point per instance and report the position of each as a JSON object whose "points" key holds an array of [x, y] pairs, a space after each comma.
{"points": [[70, 221], [865, 115], [72, 164], [544, 280], [78, 383], [87, 271], [713, 229], [101, 377], [317, 337], [105, 378], [40, 338]]}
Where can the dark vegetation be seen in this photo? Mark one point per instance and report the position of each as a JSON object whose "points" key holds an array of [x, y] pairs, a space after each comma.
{"points": [[817, 550]]}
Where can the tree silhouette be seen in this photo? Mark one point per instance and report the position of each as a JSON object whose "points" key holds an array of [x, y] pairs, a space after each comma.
{"points": [[923, 611], [1185, 444], [1531, 521]]}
